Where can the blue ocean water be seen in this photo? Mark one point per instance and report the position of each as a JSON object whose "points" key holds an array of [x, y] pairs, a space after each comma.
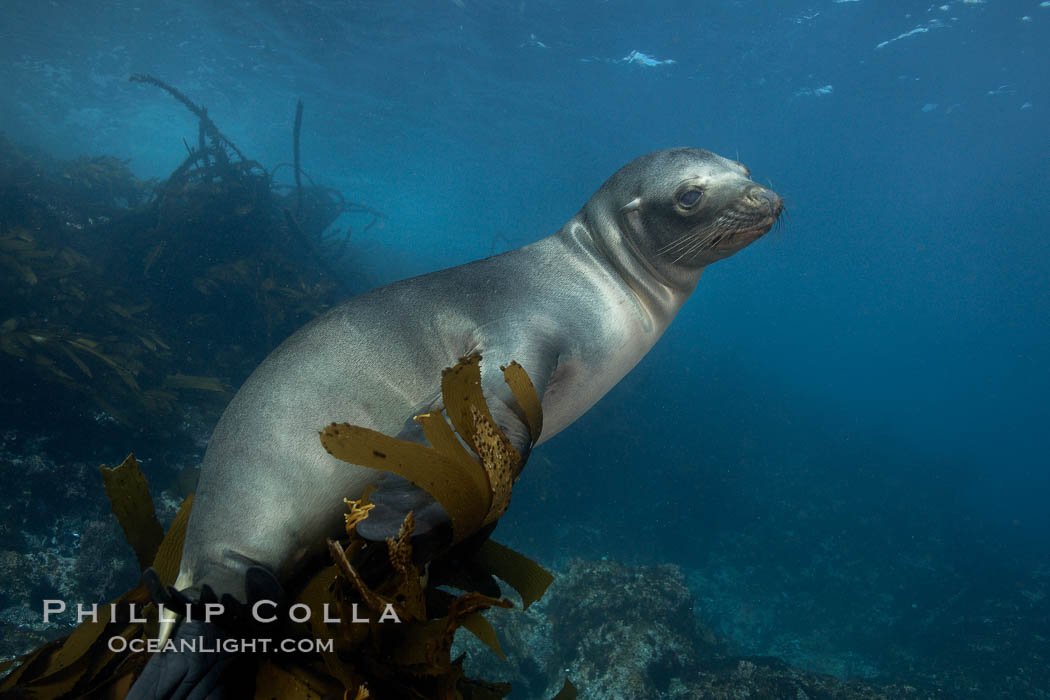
{"points": [[853, 409]]}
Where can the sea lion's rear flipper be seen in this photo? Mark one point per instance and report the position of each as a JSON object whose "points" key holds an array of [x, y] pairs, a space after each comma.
{"points": [[205, 660], [206, 672]]}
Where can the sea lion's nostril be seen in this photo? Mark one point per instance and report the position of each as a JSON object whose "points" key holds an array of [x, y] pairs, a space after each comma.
{"points": [[760, 195]]}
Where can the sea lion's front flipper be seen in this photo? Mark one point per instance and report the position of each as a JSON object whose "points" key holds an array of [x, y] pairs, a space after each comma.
{"points": [[395, 497]]}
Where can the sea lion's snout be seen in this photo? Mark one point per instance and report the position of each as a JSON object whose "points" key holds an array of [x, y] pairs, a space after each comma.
{"points": [[755, 212], [760, 198], [749, 212]]}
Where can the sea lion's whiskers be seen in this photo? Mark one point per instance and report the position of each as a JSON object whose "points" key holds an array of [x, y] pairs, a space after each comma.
{"points": [[688, 239], [712, 241], [675, 243], [691, 237], [699, 244], [720, 233], [707, 238], [779, 223], [696, 241]]}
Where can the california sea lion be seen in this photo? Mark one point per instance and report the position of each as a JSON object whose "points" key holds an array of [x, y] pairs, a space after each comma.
{"points": [[578, 309]]}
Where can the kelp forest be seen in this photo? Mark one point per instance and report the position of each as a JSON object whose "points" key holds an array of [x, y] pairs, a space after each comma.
{"points": [[123, 301]]}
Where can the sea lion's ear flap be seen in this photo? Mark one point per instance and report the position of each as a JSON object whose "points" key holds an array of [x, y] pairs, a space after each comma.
{"points": [[632, 215], [633, 205]]}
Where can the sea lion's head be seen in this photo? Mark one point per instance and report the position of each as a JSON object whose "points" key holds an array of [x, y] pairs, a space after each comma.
{"points": [[679, 210]]}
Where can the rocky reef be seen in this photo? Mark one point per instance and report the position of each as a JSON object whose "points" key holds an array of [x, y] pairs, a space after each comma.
{"points": [[58, 540], [619, 631]]}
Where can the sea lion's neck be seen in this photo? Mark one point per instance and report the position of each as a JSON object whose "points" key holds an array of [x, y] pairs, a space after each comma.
{"points": [[660, 298]]}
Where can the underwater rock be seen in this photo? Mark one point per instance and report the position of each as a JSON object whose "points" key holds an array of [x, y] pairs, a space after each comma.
{"points": [[626, 628], [619, 631], [104, 565], [85, 560], [614, 630], [58, 540]]}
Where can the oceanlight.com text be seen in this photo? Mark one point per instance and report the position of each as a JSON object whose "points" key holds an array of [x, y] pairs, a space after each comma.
{"points": [[230, 646]]}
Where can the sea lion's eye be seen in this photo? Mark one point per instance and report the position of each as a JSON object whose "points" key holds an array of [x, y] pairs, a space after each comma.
{"points": [[690, 198]]}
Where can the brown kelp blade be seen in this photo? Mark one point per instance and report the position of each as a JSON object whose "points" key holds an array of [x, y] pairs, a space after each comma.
{"points": [[169, 554], [461, 389], [131, 502], [526, 396], [568, 691], [524, 575], [482, 629]]}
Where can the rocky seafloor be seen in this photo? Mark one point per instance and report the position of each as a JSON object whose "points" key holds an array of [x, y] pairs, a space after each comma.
{"points": [[58, 537], [620, 631], [615, 630]]}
